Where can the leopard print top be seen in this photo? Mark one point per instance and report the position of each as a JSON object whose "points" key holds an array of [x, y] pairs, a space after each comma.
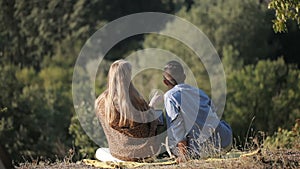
{"points": [[129, 143]]}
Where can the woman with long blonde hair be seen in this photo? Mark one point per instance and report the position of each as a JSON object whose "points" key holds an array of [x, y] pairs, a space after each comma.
{"points": [[126, 118]]}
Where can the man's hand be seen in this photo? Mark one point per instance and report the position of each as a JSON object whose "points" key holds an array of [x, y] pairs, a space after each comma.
{"points": [[182, 149]]}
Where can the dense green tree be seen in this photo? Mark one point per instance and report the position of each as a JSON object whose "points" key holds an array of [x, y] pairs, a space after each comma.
{"points": [[268, 92], [38, 112], [85, 128], [31, 29], [235, 27], [40, 40], [39, 43], [241, 24], [284, 11], [8, 99]]}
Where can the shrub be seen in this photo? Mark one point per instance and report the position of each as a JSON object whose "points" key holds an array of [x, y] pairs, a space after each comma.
{"points": [[285, 138]]}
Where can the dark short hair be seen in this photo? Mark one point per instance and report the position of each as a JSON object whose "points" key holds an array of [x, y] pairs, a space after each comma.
{"points": [[175, 70]]}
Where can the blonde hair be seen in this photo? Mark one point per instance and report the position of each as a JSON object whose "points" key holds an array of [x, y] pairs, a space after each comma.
{"points": [[122, 97]]}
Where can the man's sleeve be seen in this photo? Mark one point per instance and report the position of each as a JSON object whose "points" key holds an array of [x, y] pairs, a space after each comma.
{"points": [[176, 121]]}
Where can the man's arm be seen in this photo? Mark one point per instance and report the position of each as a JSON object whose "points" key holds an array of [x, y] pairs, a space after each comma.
{"points": [[177, 127]]}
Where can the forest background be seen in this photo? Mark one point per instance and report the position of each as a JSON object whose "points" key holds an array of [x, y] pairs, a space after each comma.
{"points": [[41, 40]]}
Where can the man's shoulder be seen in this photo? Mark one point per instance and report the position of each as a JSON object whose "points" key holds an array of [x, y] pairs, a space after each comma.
{"points": [[191, 89], [172, 92]]}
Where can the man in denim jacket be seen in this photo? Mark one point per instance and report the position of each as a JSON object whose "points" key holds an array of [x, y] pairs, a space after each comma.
{"points": [[191, 118]]}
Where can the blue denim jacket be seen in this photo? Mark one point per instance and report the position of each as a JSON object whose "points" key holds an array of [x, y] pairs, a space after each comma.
{"points": [[191, 116]]}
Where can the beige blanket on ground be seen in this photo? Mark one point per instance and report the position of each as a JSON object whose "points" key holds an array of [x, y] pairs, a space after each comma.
{"points": [[166, 161]]}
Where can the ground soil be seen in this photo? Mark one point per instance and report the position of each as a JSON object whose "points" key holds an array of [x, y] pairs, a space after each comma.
{"points": [[263, 159]]}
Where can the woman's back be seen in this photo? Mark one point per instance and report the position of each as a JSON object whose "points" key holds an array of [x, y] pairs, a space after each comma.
{"points": [[129, 142]]}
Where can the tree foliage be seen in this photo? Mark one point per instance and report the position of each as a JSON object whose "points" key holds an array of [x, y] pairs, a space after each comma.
{"points": [[284, 11], [40, 41], [38, 112], [284, 138], [268, 91], [240, 24]]}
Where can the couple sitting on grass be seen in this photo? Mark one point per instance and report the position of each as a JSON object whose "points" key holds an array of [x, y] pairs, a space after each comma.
{"points": [[130, 123]]}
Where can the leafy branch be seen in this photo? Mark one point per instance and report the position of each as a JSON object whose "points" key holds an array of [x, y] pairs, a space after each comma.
{"points": [[284, 10]]}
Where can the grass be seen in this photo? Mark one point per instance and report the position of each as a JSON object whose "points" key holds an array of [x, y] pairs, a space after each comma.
{"points": [[263, 159], [281, 158], [282, 150]]}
